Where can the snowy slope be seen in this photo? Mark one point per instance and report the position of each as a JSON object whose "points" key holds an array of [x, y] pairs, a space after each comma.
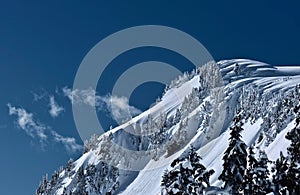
{"points": [[140, 172], [271, 79]]}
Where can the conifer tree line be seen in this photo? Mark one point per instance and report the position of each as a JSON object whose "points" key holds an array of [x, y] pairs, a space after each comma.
{"points": [[90, 179], [245, 171]]}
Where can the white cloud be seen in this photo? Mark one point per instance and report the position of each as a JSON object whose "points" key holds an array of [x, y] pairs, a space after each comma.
{"points": [[55, 109], [39, 131], [25, 122], [118, 107], [39, 96], [86, 96], [68, 142]]}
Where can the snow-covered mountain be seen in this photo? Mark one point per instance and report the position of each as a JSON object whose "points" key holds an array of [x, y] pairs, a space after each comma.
{"points": [[197, 109]]}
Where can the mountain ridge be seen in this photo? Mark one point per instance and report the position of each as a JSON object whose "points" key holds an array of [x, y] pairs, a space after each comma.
{"points": [[207, 99]]}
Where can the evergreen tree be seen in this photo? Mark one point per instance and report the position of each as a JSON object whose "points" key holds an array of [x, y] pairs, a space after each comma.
{"points": [[248, 178], [286, 169], [294, 137], [293, 172], [54, 178], [177, 117], [169, 182], [261, 183], [235, 158], [90, 144], [44, 186], [81, 183], [279, 174], [70, 165], [200, 175], [188, 176]]}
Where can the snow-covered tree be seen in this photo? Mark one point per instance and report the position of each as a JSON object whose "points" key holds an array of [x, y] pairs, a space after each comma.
{"points": [[293, 172], [54, 178], [44, 186], [80, 188], [90, 144], [178, 139], [200, 175], [279, 170], [247, 186], [69, 166], [261, 184], [188, 176], [177, 117], [235, 158], [294, 137]]}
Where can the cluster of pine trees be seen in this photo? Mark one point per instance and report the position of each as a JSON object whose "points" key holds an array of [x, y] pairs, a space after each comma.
{"points": [[91, 179], [243, 172], [188, 175]]}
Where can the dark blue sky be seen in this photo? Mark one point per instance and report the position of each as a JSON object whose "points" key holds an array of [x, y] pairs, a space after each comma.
{"points": [[43, 42]]}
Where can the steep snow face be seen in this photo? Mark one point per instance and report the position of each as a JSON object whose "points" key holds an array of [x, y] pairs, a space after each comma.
{"points": [[191, 111]]}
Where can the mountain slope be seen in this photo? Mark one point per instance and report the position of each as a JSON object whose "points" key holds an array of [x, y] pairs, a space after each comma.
{"points": [[196, 109]]}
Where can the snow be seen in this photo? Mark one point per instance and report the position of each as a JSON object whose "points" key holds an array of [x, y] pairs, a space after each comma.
{"points": [[280, 144], [270, 79], [212, 152]]}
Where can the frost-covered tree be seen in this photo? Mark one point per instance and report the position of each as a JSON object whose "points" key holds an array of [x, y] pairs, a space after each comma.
{"points": [[178, 139], [293, 172], [279, 170], [90, 144], [103, 178], [235, 158], [69, 166], [177, 117], [247, 186], [261, 184], [256, 176], [167, 180], [80, 188], [286, 170], [187, 176], [200, 175], [54, 178], [44, 186], [294, 137]]}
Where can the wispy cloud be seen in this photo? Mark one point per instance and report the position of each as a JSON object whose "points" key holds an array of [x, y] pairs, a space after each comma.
{"points": [[39, 96], [86, 96], [25, 122], [68, 142], [55, 109], [118, 107], [39, 131]]}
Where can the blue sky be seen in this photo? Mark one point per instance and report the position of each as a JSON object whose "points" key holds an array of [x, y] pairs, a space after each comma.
{"points": [[42, 44]]}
